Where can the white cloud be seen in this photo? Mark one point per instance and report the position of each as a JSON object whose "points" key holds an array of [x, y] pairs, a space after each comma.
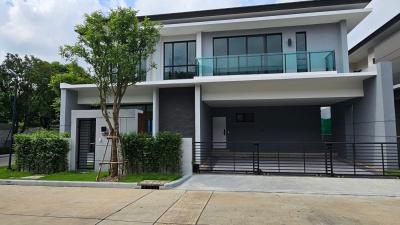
{"points": [[148, 7], [39, 27]]}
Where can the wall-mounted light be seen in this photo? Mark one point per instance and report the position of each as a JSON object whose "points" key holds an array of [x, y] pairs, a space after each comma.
{"points": [[104, 131], [289, 42]]}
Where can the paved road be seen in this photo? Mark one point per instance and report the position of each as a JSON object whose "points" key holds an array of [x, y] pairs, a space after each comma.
{"points": [[294, 184], [62, 206]]}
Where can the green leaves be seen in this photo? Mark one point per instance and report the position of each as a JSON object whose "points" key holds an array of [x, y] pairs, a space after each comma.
{"points": [[115, 45], [145, 153], [42, 152]]}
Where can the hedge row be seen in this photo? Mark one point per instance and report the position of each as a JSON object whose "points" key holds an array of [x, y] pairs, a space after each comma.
{"points": [[146, 153], [42, 152]]}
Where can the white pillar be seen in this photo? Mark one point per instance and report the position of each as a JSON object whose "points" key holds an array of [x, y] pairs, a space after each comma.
{"points": [[199, 51], [155, 111], [345, 68]]}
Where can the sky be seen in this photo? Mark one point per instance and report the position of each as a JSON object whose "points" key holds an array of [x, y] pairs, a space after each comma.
{"points": [[40, 27]]}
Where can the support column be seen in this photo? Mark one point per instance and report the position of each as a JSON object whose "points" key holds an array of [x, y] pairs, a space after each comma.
{"points": [[155, 111], [372, 117], [199, 51], [197, 112], [345, 48]]}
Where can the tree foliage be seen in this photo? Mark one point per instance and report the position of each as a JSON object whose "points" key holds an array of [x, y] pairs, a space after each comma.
{"points": [[114, 44], [32, 78]]}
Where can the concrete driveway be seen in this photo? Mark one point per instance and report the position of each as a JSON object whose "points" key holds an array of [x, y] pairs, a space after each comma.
{"points": [[294, 184], [55, 205]]}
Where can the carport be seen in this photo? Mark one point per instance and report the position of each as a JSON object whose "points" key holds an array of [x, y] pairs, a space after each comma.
{"points": [[274, 126]]}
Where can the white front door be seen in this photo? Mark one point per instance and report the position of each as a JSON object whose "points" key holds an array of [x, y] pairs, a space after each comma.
{"points": [[219, 132]]}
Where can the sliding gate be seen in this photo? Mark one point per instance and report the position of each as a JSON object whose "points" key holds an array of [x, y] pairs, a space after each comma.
{"points": [[318, 158]]}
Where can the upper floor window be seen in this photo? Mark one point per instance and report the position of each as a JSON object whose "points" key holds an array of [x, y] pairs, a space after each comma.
{"points": [[179, 60], [246, 54]]}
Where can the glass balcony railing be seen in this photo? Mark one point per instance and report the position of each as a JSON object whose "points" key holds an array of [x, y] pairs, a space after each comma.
{"points": [[267, 63]]}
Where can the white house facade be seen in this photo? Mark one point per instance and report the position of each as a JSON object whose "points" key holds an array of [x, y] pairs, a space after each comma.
{"points": [[236, 78]]}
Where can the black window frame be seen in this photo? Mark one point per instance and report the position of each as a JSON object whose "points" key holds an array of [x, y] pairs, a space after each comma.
{"points": [[265, 51], [245, 117], [189, 75]]}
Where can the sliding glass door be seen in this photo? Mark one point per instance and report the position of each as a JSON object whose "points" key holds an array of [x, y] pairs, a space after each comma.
{"points": [[246, 54]]}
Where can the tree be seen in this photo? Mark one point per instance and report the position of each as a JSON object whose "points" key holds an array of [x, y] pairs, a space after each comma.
{"points": [[30, 77], [35, 98], [71, 74], [114, 45]]}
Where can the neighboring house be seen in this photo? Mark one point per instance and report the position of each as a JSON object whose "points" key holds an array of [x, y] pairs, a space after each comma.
{"points": [[230, 78], [383, 45]]}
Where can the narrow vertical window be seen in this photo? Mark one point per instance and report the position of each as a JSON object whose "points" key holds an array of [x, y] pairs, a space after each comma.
{"points": [[301, 49]]}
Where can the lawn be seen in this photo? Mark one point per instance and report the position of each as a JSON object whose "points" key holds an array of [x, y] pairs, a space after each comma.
{"points": [[5, 173], [87, 176], [393, 172], [91, 176], [73, 176]]}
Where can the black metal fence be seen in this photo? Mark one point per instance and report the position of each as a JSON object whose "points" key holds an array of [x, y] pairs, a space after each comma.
{"points": [[319, 158]]}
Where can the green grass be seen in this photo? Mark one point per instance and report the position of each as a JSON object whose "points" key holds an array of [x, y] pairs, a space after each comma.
{"points": [[393, 172], [74, 176], [150, 176], [87, 176], [5, 173]]}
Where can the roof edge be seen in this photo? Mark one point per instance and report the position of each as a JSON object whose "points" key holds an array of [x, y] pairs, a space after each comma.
{"points": [[251, 9], [377, 32]]}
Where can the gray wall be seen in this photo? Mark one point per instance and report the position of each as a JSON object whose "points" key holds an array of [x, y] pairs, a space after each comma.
{"points": [[370, 118], [176, 110], [319, 37], [373, 115], [128, 119], [69, 102], [274, 124]]}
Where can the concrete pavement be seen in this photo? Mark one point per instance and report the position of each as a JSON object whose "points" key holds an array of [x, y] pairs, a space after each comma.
{"points": [[61, 206], [293, 184]]}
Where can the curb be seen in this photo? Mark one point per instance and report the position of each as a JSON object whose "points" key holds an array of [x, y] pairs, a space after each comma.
{"points": [[69, 184], [176, 183]]}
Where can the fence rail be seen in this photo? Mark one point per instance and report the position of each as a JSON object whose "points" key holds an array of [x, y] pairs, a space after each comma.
{"points": [[322, 158]]}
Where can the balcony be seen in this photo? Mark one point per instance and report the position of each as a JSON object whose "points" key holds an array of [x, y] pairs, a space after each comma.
{"points": [[267, 63]]}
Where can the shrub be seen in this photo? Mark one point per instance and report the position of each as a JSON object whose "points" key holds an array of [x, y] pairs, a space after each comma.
{"points": [[168, 148], [145, 153], [41, 152]]}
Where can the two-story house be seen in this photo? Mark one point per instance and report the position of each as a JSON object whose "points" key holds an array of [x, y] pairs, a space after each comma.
{"points": [[228, 78]]}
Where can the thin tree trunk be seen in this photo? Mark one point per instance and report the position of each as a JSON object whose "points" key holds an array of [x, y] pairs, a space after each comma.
{"points": [[114, 155]]}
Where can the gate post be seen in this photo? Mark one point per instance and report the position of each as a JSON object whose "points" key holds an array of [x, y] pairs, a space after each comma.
{"points": [[383, 160], [354, 159], [258, 158], [326, 158], [331, 160]]}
